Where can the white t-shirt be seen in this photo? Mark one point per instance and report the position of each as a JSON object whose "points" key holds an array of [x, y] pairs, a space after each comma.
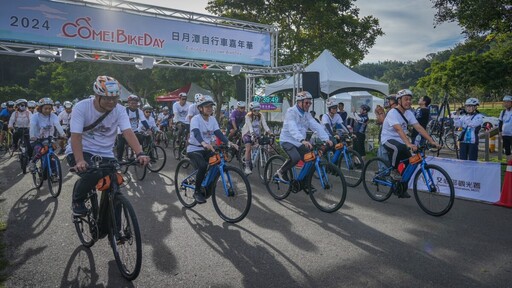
{"points": [[192, 110], [151, 122], [180, 112], [20, 119], [42, 126], [206, 128], [334, 122], [64, 117], [99, 140], [392, 118], [134, 120], [506, 117]]}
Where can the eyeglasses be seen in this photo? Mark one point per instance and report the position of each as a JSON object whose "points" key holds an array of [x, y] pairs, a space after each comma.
{"points": [[147, 112], [110, 99], [307, 102]]}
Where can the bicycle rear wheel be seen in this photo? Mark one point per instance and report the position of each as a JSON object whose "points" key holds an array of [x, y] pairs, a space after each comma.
{"points": [[434, 190], [278, 189], [23, 157], [86, 226], [351, 167], [125, 239], [328, 192], [232, 204], [38, 174], [376, 179], [178, 150], [158, 158], [184, 176], [262, 161], [54, 176]]}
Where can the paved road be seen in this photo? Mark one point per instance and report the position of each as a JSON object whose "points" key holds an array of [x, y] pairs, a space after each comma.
{"points": [[280, 244]]}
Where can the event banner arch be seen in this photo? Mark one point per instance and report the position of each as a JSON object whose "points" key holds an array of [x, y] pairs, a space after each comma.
{"points": [[68, 25]]}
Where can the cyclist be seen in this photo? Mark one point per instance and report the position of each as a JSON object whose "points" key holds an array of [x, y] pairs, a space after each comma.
{"points": [[180, 111], [150, 127], [393, 137], [236, 120], [58, 108], [94, 128], [297, 121], [505, 125], [31, 106], [360, 129], [203, 128], [64, 118], [470, 123], [19, 123], [251, 131], [192, 109], [42, 125], [332, 120], [135, 116], [5, 116]]}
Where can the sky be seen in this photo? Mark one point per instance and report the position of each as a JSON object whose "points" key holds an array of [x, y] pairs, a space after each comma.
{"points": [[408, 26]]}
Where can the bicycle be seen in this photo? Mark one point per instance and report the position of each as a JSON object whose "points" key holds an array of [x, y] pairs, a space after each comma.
{"points": [[156, 153], [227, 185], [48, 168], [432, 185], [332, 187], [180, 144], [348, 160], [23, 149], [260, 154], [114, 216]]}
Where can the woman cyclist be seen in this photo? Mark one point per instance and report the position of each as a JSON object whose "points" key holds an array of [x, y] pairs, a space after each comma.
{"points": [[254, 123], [20, 122], [203, 128], [43, 125], [470, 123], [332, 120]]}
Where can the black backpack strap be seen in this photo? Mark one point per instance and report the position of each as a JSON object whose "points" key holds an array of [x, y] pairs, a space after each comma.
{"points": [[98, 121], [400, 112]]}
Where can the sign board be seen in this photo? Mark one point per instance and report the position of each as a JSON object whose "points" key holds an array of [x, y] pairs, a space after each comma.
{"points": [[68, 25], [270, 103], [357, 101]]}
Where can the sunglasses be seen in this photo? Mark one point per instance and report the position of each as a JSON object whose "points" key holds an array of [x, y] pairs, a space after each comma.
{"points": [[22, 105]]}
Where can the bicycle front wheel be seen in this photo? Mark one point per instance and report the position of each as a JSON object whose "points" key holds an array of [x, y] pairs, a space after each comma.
{"points": [[327, 190], [86, 226], [352, 167], [262, 161], [158, 158], [139, 171], [433, 190], [233, 201], [38, 174], [184, 183], [276, 187], [376, 179], [54, 176], [124, 236]]}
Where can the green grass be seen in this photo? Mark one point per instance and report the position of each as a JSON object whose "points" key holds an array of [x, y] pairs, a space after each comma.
{"points": [[3, 261]]}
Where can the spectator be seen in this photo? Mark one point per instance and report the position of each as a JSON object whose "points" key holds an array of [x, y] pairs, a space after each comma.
{"points": [[313, 114], [471, 123], [360, 129], [342, 112], [422, 114], [505, 126]]}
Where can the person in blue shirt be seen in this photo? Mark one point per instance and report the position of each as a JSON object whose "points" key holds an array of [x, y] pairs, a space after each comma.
{"points": [[360, 129], [5, 115]]}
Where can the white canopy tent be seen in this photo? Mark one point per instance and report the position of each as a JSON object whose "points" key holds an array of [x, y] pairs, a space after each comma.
{"points": [[334, 78]]}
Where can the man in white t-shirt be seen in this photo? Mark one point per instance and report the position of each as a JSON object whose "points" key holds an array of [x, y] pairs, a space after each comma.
{"points": [[88, 140], [180, 111], [393, 136], [135, 116]]}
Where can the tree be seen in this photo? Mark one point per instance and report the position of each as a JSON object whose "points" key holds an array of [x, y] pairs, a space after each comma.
{"points": [[476, 17], [308, 27]]}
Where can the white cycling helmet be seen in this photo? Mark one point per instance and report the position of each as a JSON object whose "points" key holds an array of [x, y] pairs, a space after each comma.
{"points": [[10, 104], [106, 86], [133, 98], [507, 98], [21, 101], [4, 105], [254, 105], [331, 103], [31, 104], [197, 96], [45, 101], [403, 92], [303, 95], [240, 104], [165, 108], [472, 102], [205, 100], [147, 107], [67, 104], [183, 94]]}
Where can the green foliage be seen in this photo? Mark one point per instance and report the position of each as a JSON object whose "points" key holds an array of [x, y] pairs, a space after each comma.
{"points": [[14, 92], [307, 27]]}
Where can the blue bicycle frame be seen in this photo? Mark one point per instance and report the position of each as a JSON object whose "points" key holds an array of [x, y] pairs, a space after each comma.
{"points": [[306, 170], [46, 158]]}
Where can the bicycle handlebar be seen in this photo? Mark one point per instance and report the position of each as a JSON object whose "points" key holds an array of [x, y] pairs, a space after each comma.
{"points": [[111, 165]]}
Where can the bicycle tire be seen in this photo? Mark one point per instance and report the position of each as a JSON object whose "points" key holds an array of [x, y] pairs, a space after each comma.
{"points": [[128, 154], [178, 151], [427, 199], [185, 171], [125, 238], [352, 169], [376, 191], [139, 171], [24, 162], [54, 176], [86, 226], [450, 141], [241, 157], [279, 190], [325, 197], [160, 158], [38, 174], [234, 204], [262, 161]]}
